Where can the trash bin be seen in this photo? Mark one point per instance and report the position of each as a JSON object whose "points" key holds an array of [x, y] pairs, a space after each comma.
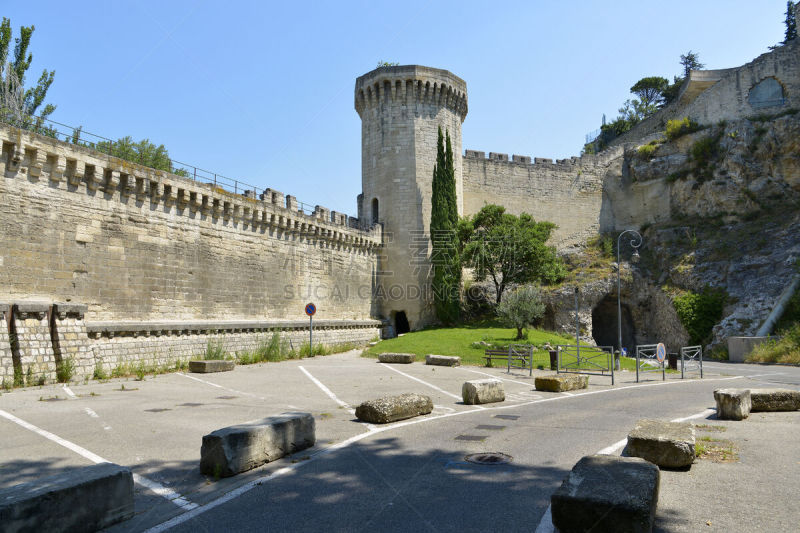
{"points": [[553, 359], [673, 361]]}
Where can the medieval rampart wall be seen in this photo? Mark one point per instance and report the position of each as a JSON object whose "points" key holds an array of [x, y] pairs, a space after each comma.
{"points": [[567, 192], [133, 244]]}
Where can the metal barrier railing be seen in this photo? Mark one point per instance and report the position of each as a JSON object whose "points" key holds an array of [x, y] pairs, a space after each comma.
{"points": [[520, 356], [591, 360], [646, 361], [79, 137], [691, 360]]}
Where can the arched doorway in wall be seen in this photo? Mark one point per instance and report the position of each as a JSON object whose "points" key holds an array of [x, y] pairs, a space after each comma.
{"points": [[604, 324], [401, 322], [375, 211]]}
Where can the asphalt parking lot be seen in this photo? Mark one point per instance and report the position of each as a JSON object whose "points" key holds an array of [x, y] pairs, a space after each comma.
{"points": [[407, 475]]}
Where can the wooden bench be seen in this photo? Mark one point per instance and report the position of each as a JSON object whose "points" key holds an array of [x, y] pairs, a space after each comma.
{"points": [[502, 354]]}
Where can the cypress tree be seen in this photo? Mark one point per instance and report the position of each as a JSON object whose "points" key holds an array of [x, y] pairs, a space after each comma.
{"points": [[791, 23], [444, 250]]}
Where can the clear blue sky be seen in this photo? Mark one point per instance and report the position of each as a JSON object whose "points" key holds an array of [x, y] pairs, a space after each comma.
{"points": [[263, 91]]}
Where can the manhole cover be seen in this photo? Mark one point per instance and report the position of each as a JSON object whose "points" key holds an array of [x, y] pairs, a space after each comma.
{"points": [[488, 458], [159, 410], [189, 404], [490, 427], [226, 397], [507, 417]]}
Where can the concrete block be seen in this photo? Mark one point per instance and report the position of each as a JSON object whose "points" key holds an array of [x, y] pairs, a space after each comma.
{"points": [[481, 391], [733, 404], [442, 360], [740, 347], [561, 382], [394, 408], [607, 493], [206, 367], [666, 444], [774, 400], [87, 499], [401, 358], [234, 449]]}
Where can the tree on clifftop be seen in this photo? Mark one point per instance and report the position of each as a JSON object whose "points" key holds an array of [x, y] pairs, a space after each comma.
{"points": [[17, 104], [650, 91], [444, 241], [690, 61]]}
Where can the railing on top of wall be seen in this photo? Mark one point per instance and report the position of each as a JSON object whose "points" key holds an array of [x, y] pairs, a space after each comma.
{"points": [[79, 137]]}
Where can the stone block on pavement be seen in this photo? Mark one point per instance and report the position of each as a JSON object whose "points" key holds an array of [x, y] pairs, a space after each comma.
{"points": [[774, 400], [666, 444], [234, 449], [733, 404], [206, 367], [442, 360], [401, 358], [394, 408], [607, 493], [561, 382], [86, 499], [480, 391]]}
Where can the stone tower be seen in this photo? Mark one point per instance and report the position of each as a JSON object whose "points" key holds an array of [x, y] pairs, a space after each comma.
{"points": [[401, 109]]}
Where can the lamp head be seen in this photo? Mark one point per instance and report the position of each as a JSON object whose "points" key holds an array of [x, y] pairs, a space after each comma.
{"points": [[635, 256]]}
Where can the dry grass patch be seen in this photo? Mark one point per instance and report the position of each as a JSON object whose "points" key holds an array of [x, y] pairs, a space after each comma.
{"points": [[716, 450]]}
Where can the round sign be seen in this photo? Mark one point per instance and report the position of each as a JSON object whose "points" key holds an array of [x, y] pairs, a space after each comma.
{"points": [[661, 352], [311, 309]]}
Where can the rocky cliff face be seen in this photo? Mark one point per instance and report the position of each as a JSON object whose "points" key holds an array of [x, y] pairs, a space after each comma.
{"points": [[733, 222]]}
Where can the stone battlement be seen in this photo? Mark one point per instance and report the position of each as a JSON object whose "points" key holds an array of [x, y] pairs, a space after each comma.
{"points": [[411, 84], [82, 170], [542, 162]]}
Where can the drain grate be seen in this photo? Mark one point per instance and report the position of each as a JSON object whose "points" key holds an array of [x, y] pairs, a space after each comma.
{"points": [[226, 397], [507, 417], [157, 410], [490, 427], [488, 458], [189, 404], [474, 438]]}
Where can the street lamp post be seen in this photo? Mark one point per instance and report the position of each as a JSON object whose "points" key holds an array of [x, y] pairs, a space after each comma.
{"points": [[636, 242]]}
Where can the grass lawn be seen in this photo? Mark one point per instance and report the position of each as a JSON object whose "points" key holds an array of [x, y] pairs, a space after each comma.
{"points": [[464, 342]]}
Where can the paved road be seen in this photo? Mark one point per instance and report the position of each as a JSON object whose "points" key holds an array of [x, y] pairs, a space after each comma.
{"points": [[406, 476]]}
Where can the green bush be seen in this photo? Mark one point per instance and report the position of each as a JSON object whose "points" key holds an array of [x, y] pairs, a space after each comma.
{"points": [[64, 370], [785, 350], [215, 351], [698, 312], [646, 151], [703, 154], [679, 127], [99, 372]]}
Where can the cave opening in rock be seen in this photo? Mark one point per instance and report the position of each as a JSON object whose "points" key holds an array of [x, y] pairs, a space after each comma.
{"points": [[401, 322], [604, 324]]}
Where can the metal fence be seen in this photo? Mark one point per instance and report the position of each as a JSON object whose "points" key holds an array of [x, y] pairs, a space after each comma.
{"points": [[520, 356], [691, 360], [646, 361], [79, 137], [591, 360]]}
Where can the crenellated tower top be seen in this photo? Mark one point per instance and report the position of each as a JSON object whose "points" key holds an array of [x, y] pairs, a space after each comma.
{"points": [[411, 84]]}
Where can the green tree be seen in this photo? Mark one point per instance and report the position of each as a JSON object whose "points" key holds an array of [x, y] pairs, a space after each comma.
{"points": [[509, 249], [791, 22], [143, 152], [521, 308], [690, 61], [18, 104], [444, 241], [650, 90]]}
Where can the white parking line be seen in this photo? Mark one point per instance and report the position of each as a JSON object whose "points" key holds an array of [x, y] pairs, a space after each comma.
{"points": [[498, 377], [332, 396], [219, 386], [69, 392], [326, 390], [434, 387], [91, 413], [157, 488], [546, 523], [180, 519]]}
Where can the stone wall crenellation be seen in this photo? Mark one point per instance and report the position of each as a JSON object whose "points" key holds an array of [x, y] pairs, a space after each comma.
{"points": [[567, 192]]}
